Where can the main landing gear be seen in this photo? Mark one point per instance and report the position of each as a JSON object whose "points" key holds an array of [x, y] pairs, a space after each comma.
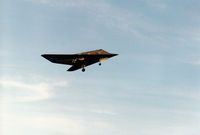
{"points": [[83, 66], [83, 69]]}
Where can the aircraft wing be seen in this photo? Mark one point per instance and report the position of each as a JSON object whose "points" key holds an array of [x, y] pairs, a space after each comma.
{"points": [[77, 60], [72, 59], [61, 58]]}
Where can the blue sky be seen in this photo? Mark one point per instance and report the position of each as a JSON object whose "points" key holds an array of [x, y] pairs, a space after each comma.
{"points": [[150, 88]]}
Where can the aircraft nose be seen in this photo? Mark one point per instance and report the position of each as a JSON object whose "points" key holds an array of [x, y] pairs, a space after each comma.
{"points": [[115, 54]]}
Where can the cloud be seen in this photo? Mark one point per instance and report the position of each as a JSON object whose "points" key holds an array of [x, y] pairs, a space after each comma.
{"points": [[194, 62], [49, 123], [106, 112], [193, 59], [107, 14], [138, 25], [192, 33], [23, 91], [159, 4]]}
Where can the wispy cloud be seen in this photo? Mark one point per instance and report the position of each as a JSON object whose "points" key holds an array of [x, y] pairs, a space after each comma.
{"points": [[59, 124], [193, 59], [98, 111], [106, 13], [156, 3], [51, 123], [24, 91], [135, 24], [192, 33]]}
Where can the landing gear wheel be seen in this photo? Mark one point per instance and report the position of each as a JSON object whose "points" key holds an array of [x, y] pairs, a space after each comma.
{"points": [[83, 69], [100, 64]]}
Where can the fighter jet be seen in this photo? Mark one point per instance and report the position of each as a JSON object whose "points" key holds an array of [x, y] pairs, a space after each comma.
{"points": [[79, 60]]}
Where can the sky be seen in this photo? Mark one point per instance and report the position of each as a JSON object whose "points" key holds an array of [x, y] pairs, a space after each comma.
{"points": [[151, 88]]}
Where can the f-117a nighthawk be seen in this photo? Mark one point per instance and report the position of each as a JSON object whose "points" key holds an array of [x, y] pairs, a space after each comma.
{"points": [[80, 60]]}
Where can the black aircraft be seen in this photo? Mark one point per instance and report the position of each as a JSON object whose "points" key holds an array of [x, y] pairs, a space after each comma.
{"points": [[80, 60]]}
